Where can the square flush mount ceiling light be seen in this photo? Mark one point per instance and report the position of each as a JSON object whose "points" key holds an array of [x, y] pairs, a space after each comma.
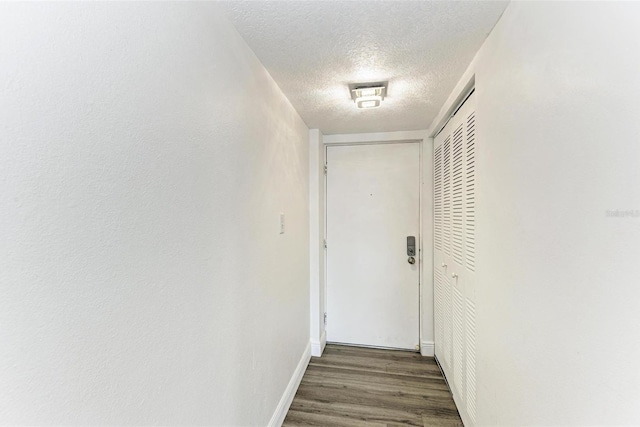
{"points": [[368, 95]]}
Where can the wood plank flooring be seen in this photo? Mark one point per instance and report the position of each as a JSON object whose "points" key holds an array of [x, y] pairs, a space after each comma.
{"points": [[354, 386]]}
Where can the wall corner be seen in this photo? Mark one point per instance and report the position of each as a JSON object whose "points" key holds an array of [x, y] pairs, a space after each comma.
{"points": [[316, 240]]}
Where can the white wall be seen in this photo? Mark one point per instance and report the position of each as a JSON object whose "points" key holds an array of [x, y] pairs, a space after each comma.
{"points": [[426, 277], [316, 241], [557, 279], [145, 157]]}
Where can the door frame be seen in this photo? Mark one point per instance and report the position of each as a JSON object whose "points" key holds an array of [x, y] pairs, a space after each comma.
{"points": [[420, 173], [425, 286]]}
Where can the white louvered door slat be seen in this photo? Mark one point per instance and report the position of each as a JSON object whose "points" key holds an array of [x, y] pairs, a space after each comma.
{"points": [[437, 198], [447, 323], [470, 192], [458, 341], [456, 194], [439, 309], [455, 256], [446, 196], [470, 365]]}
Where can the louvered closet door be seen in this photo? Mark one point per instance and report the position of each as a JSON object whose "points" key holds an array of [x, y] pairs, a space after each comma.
{"points": [[454, 256]]}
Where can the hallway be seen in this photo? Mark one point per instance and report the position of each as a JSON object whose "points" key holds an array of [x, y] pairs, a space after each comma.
{"points": [[353, 386], [196, 196]]}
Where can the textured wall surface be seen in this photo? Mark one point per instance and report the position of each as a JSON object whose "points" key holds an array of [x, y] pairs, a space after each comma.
{"points": [[145, 155], [557, 279], [313, 49]]}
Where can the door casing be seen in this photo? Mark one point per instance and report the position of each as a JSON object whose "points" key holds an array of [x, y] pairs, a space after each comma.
{"points": [[425, 224]]}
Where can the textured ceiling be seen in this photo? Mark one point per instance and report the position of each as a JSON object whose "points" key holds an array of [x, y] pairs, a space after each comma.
{"points": [[314, 49]]}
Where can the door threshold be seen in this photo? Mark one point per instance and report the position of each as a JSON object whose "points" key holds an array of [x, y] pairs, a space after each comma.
{"points": [[375, 347]]}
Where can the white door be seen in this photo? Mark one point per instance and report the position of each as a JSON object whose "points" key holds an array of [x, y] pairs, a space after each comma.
{"points": [[454, 260], [373, 204]]}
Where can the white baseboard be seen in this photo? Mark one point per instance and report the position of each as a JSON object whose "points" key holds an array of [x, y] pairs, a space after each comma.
{"points": [[287, 397], [427, 348], [318, 347]]}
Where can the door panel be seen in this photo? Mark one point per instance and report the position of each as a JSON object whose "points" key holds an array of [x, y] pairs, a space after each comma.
{"points": [[372, 206], [454, 256]]}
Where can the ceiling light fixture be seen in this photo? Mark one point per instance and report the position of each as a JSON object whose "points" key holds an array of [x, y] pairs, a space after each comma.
{"points": [[368, 101], [368, 95]]}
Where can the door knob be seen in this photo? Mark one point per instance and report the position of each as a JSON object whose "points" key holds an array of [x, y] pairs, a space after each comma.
{"points": [[411, 260]]}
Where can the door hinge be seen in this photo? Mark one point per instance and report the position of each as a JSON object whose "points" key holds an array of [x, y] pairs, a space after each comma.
{"points": [[325, 169], [325, 243]]}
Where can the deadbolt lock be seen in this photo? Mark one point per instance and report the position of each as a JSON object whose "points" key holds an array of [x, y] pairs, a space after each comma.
{"points": [[411, 245], [411, 260]]}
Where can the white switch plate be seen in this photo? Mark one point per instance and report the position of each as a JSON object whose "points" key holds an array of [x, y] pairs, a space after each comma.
{"points": [[281, 223]]}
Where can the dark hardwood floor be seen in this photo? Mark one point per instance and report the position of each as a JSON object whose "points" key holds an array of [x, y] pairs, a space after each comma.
{"points": [[354, 386]]}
